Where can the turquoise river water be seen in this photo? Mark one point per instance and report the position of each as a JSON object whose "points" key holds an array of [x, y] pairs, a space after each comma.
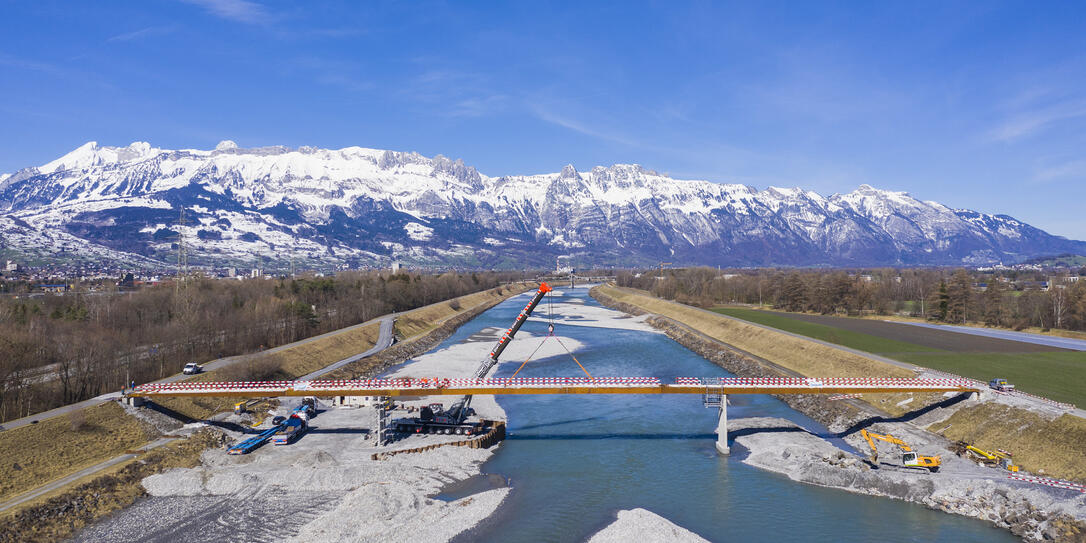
{"points": [[573, 461]]}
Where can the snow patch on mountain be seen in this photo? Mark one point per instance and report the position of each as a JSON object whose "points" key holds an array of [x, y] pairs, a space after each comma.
{"points": [[357, 205]]}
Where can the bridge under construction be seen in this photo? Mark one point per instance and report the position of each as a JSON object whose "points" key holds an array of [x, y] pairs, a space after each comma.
{"points": [[713, 390]]}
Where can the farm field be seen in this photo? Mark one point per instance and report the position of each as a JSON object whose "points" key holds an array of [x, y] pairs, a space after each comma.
{"points": [[1055, 373]]}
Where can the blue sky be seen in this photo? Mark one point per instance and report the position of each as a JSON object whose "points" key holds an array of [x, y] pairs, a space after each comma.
{"points": [[979, 105]]}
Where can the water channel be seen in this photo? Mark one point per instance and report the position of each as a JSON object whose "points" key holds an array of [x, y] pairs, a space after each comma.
{"points": [[573, 461]]}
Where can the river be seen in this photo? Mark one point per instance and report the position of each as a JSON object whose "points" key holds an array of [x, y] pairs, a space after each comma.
{"points": [[573, 461]]}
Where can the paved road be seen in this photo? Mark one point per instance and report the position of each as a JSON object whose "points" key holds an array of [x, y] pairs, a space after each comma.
{"points": [[386, 334], [1025, 337], [384, 340], [1077, 411]]}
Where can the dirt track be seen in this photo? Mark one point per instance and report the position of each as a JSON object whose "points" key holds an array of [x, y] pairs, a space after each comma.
{"points": [[936, 339]]}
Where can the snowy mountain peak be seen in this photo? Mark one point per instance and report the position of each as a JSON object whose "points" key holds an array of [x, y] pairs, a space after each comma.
{"points": [[569, 172], [90, 155], [360, 206]]}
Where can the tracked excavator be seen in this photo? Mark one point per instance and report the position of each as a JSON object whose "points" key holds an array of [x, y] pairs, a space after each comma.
{"points": [[994, 458], [434, 419], [909, 458]]}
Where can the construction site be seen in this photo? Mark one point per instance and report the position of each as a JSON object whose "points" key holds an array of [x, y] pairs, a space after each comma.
{"points": [[419, 452]]}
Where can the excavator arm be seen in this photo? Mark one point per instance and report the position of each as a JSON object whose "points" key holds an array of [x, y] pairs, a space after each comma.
{"points": [[908, 457], [460, 410]]}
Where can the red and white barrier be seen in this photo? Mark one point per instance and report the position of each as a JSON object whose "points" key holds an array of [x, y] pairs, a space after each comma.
{"points": [[1067, 485]]}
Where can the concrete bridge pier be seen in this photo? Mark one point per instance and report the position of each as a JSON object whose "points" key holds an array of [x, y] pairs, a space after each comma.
{"points": [[722, 427]]}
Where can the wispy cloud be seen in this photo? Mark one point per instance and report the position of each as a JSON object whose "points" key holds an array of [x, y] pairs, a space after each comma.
{"points": [[242, 11], [1063, 170], [548, 115], [450, 92], [141, 33], [54, 70], [478, 106], [337, 73], [1037, 119], [32, 65]]}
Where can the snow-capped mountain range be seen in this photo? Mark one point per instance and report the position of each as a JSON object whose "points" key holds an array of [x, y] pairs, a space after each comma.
{"points": [[358, 206]]}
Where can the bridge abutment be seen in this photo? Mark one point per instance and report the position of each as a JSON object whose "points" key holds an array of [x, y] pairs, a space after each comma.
{"points": [[722, 427]]}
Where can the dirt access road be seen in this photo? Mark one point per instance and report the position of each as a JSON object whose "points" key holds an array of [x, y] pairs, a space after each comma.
{"points": [[384, 340]]}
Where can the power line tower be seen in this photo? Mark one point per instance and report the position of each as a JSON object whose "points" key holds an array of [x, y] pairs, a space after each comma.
{"points": [[293, 245], [182, 252]]}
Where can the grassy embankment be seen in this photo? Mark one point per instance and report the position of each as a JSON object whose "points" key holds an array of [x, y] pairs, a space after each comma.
{"points": [[283, 363], [59, 515], [1050, 447], [38, 453], [306, 356], [55, 447], [426, 319], [1053, 447], [1059, 375], [795, 354]]}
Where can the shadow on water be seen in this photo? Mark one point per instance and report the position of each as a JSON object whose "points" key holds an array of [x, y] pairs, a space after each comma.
{"points": [[557, 423], [578, 437], [574, 462]]}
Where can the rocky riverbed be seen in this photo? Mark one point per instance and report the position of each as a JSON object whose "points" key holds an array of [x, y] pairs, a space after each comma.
{"points": [[1032, 512], [326, 486]]}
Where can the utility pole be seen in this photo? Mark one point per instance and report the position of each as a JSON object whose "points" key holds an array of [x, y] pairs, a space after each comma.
{"points": [[182, 254], [293, 243]]}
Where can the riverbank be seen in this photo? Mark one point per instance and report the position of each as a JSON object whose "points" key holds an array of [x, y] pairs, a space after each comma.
{"points": [[960, 487], [843, 417], [327, 485], [66, 436]]}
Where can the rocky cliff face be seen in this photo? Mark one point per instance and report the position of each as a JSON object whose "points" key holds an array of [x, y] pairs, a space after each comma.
{"points": [[356, 206]]}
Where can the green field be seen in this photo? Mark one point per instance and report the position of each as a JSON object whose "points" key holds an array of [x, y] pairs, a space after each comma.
{"points": [[1058, 375], [854, 340]]}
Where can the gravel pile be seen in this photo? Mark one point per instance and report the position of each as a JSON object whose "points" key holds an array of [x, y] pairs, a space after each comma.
{"points": [[643, 525], [1033, 512]]}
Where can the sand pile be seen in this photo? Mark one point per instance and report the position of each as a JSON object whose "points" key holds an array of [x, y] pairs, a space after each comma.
{"points": [[643, 525]]}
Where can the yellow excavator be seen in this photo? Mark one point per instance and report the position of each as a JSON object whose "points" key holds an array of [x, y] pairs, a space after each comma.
{"points": [[999, 458], [909, 458]]}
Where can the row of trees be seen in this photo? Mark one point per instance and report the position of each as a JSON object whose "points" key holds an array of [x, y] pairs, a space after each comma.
{"points": [[62, 349], [995, 299]]}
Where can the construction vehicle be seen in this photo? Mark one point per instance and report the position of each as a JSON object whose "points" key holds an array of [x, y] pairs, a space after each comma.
{"points": [[909, 458], [291, 429], [284, 430], [994, 458], [435, 419], [1001, 385]]}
